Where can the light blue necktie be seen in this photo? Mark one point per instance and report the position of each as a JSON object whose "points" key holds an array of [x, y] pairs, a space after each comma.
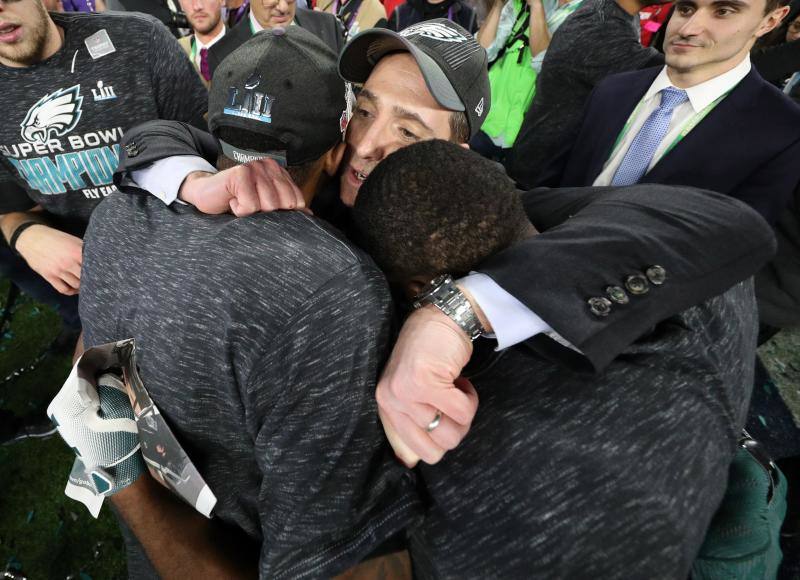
{"points": [[639, 155]]}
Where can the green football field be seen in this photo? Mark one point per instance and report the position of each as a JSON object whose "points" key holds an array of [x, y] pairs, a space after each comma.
{"points": [[46, 535]]}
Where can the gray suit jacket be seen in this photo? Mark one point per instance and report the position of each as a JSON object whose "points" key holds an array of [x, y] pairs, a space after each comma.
{"points": [[326, 26]]}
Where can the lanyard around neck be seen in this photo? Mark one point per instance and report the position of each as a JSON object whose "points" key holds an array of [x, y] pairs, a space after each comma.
{"points": [[687, 126], [349, 19]]}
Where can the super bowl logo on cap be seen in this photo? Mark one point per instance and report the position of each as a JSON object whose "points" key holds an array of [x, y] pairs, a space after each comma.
{"points": [[249, 103], [434, 31]]}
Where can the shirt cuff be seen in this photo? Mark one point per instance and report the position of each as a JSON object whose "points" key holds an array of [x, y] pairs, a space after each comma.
{"points": [[163, 178], [512, 321]]}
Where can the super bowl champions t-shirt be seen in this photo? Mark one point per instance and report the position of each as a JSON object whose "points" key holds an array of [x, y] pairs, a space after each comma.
{"points": [[63, 118]]}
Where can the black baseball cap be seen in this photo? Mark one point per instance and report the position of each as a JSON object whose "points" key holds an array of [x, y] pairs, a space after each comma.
{"points": [[282, 84], [454, 65]]}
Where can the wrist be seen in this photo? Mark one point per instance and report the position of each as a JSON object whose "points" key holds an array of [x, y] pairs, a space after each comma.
{"points": [[131, 492], [21, 236], [476, 308], [189, 188], [434, 315], [445, 295]]}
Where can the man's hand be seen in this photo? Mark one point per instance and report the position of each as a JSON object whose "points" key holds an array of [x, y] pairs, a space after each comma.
{"points": [[243, 190], [421, 378], [55, 255]]}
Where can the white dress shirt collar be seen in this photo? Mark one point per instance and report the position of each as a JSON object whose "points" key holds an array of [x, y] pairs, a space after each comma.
{"points": [[200, 46], [702, 95], [254, 25]]}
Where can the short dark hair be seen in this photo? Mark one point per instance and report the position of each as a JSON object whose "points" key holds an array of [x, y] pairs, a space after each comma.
{"points": [[459, 127], [256, 142], [436, 207]]}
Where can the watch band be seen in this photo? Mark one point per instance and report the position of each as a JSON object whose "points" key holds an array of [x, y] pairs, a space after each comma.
{"points": [[447, 297]]}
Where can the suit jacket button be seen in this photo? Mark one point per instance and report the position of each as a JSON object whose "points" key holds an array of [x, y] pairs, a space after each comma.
{"points": [[656, 275], [637, 284], [617, 294], [599, 306]]}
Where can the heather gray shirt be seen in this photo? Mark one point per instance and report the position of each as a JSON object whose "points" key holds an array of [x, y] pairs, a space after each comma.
{"points": [[598, 40], [614, 475], [260, 340], [63, 118]]}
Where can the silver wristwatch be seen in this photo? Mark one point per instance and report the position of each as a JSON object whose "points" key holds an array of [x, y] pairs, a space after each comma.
{"points": [[445, 295]]}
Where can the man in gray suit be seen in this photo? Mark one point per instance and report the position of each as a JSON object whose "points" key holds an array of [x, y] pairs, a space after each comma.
{"points": [[274, 14]]}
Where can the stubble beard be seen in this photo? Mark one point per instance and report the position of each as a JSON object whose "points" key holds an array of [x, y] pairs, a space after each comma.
{"points": [[209, 28], [31, 49]]}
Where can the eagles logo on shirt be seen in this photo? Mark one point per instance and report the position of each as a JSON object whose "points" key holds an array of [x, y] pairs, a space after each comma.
{"points": [[54, 115]]}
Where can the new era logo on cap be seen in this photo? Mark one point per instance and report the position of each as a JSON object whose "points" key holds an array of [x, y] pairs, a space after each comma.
{"points": [[479, 108]]}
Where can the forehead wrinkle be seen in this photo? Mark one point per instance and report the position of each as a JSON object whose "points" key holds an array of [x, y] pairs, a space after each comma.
{"points": [[369, 95], [398, 110]]}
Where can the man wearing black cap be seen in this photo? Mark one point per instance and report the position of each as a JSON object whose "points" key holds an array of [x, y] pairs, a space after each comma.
{"points": [[260, 340]]}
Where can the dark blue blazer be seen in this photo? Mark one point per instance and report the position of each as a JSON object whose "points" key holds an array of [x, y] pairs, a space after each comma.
{"points": [[748, 147]]}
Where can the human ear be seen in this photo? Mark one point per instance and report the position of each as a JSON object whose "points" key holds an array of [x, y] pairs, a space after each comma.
{"points": [[772, 20], [333, 158]]}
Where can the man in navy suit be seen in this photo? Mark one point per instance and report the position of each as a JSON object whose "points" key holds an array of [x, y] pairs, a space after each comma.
{"points": [[706, 119]]}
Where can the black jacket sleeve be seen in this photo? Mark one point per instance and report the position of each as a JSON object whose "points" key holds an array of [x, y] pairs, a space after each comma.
{"points": [[597, 237], [156, 140]]}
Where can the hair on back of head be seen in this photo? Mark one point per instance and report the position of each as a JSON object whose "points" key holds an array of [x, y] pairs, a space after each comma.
{"points": [[436, 207], [256, 142]]}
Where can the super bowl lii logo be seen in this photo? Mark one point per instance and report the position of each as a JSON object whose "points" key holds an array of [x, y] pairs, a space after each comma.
{"points": [[248, 102]]}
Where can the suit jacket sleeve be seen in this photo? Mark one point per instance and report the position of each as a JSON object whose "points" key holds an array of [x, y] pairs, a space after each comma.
{"points": [[597, 237], [156, 140]]}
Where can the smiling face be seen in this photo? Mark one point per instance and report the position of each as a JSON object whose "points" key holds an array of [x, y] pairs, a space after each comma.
{"points": [[706, 38], [204, 15], [26, 33], [394, 109], [273, 13]]}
